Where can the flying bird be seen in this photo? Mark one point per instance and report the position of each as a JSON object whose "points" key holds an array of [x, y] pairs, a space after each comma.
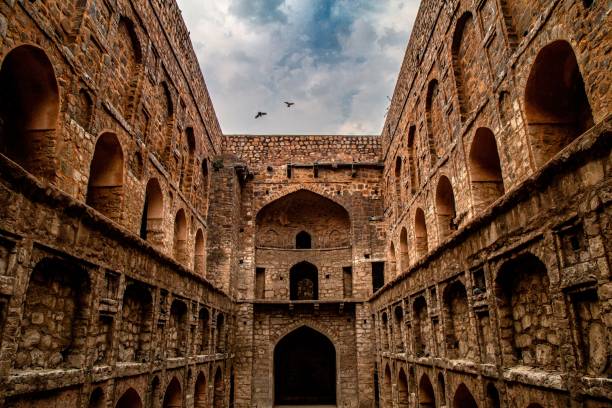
{"points": [[260, 114], [289, 104]]}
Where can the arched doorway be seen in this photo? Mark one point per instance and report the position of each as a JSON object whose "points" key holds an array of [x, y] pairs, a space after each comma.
{"points": [[219, 390], [173, 398], [464, 398], [304, 369], [427, 398], [200, 392], [304, 282]]}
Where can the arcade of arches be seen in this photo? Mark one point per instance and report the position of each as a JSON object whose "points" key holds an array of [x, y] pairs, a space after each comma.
{"points": [[459, 259]]}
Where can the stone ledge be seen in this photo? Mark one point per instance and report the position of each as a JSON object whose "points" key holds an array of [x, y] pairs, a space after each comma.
{"points": [[536, 377]]}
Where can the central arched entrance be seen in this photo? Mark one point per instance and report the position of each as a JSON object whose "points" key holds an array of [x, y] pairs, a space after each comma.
{"points": [[305, 369]]}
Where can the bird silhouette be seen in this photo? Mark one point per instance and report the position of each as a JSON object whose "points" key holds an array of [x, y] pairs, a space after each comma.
{"points": [[289, 104], [260, 114]]}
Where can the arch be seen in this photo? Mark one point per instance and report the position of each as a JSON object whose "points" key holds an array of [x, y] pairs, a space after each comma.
{"points": [[398, 321], [403, 395], [404, 252], [199, 254], [219, 390], [485, 170], [105, 186], [180, 236], [173, 398], [467, 66], [204, 329], [420, 326], [56, 306], [200, 393], [128, 61], [427, 397], [303, 240], [299, 211], [435, 118], [420, 233], [83, 109], [303, 281], [165, 135], [129, 399], [97, 398], [457, 320], [387, 388], [220, 333], [556, 104], [202, 197], [413, 160], [525, 312], [151, 227], [463, 398], [391, 261], [442, 388], [136, 323], [186, 177], [154, 395], [398, 180], [29, 109], [384, 328], [445, 207], [177, 329], [493, 400]]}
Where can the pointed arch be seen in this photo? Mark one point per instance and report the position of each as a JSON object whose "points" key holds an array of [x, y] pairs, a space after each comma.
{"points": [[127, 66], [442, 388], [180, 236], [151, 227], [219, 389], [485, 170], [392, 261], [303, 240], [421, 241], [29, 110], [105, 186], [427, 396], [463, 398], [303, 281], [404, 251], [173, 398], [556, 103], [199, 253], [129, 399], [435, 118], [413, 167], [398, 180], [445, 208], [97, 399], [403, 394], [200, 394], [186, 177], [388, 387]]}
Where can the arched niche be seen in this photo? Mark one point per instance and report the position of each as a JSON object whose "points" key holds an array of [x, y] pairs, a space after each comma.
{"points": [[151, 227], [105, 187], [200, 394], [388, 387], [180, 236], [427, 396], [177, 331], [303, 210], [136, 324], [29, 109], [303, 240], [404, 250], [129, 399], [303, 282], [199, 261], [445, 207], [463, 398], [305, 369], [219, 389], [403, 393], [556, 103], [485, 170], [173, 398], [420, 233]]}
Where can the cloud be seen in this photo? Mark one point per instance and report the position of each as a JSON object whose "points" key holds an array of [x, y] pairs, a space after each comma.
{"points": [[337, 59]]}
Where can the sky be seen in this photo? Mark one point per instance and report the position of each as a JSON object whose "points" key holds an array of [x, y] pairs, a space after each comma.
{"points": [[337, 60]]}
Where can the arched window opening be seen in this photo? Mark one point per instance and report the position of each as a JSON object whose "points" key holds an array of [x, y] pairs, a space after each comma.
{"points": [[391, 261], [522, 287], [493, 400], [221, 335], [219, 390], [173, 397], [303, 240], [202, 196], [404, 252], [435, 117], [457, 321], [427, 397], [442, 388], [304, 282], [96, 399], [412, 160], [464, 398], [383, 331], [128, 62], [186, 180], [180, 237], [105, 187], [485, 170], [154, 394], [403, 395], [556, 103], [420, 326], [151, 227], [200, 394], [56, 306], [130, 399], [136, 324], [398, 181], [466, 64], [420, 232], [29, 109], [199, 262], [387, 388], [398, 314], [177, 329], [445, 207], [165, 136]]}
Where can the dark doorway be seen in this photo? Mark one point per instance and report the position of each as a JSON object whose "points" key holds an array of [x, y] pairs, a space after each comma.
{"points": [[305, 369], [304, 282], [303, 240]]}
